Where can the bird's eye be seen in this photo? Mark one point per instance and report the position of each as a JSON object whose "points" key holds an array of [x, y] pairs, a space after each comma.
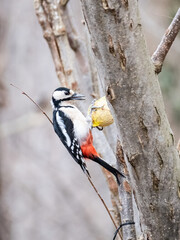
{"points": [[67, 93]]}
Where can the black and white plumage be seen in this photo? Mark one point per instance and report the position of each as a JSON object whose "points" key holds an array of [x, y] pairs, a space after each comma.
{"points": [[74, 131], [63, 116]]}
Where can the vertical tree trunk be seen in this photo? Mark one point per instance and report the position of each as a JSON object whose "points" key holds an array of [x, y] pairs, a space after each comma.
{"points": [[152, 160], [73, 61]]}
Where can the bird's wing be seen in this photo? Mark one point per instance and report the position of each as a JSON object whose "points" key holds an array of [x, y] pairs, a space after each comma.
{"points": [[64, 128]]}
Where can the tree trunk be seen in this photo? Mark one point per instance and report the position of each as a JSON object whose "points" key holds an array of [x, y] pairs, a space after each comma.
{"points": [[152, 160]]}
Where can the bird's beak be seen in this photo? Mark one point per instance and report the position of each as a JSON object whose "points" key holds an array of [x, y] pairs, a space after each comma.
{"points": [[77, 96]]}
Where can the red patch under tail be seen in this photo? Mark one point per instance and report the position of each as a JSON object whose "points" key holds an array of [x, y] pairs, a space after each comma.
{"points": [[87, 147]]}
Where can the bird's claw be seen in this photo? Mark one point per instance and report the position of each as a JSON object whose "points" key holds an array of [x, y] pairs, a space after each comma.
{"points": [[99, 128]]}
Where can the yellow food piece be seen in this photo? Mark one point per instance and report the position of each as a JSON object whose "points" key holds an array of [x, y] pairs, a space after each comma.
{"points": [[101, 116]]}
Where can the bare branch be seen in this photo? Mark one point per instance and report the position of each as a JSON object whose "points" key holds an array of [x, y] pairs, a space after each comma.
{"points": [[166, 42], [50, 38], [125, 195], [32, 101]]}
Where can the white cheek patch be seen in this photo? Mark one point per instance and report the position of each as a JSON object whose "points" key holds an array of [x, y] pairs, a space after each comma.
{"points": [[63, 129], [57, 95]]}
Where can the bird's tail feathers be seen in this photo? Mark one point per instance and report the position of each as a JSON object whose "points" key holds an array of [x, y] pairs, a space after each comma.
{"points": [[111, 169], [85, 170]]}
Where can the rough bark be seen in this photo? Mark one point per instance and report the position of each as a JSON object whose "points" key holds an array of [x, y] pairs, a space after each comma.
{"points": [[125, 195], [152, 160]]}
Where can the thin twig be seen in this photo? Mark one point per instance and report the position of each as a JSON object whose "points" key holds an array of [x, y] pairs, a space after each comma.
{"points": [[110, 215], [24, 93], [33, 102], [166, 42], [113, 187], [102, 200]]}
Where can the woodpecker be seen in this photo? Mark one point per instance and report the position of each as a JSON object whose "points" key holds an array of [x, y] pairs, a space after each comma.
{"points": [[74, 131]]}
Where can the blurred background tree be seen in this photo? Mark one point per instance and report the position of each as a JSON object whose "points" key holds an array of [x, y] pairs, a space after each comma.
{"points": [[38, 199]]}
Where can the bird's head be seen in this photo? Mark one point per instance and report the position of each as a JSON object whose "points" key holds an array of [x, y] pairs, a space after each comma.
{"points": [[63, 94]]}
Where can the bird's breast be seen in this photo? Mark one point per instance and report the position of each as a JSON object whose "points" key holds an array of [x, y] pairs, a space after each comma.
{"points": [[81, 127], [81, 130]]}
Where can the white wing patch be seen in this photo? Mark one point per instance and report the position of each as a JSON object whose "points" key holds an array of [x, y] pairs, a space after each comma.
{"points": [[63, 129]]}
